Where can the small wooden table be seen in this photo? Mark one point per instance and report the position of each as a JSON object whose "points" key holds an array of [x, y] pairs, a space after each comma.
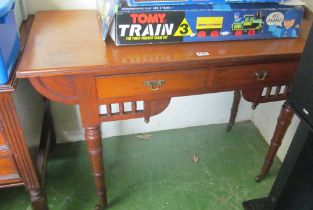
{"points": [[66, 61]]}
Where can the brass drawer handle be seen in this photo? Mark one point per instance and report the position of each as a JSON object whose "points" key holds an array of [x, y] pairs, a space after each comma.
{"points": [[154, 84], [261, 75]]}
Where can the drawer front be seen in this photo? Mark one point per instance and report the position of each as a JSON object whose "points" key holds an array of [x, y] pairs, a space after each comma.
{"points": [[3, 141], [8, 170], [254, 75], [152, 83]]}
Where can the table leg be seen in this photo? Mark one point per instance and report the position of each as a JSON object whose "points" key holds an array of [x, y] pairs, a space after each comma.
{"points": [[39, 199], [94, 145], [50, 123], [234, 110], [282, 125]]}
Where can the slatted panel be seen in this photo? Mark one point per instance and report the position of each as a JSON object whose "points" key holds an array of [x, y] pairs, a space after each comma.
{"points": [[120, 111]]}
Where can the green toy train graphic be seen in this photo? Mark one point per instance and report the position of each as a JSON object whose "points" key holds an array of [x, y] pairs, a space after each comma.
{"points": [[250, 25], [211, 26]]}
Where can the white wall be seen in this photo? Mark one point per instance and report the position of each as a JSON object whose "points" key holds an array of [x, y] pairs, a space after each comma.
{"points": [[182, 112], [29, 106], [309, 4], [265, 118], [36, 5], [20, 11]]}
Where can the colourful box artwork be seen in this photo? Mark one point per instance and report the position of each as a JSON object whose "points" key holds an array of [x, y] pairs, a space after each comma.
{"points": [[202, 23]]}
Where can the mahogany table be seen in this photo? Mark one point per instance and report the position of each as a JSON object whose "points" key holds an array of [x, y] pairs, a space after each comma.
{"points": [[67, 61]]}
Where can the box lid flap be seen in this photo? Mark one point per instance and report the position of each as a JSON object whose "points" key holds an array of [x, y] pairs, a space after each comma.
{"points": [[107, 10]]}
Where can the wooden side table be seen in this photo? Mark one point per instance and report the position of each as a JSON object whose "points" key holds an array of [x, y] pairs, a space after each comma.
{"points": [[66, 61]]}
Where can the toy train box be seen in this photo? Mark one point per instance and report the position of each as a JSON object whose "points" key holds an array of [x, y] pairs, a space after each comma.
{"points": [[202, 23], [183, 2]]}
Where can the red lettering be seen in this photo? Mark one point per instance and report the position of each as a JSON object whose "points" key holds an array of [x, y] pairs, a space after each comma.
{"points": [[162, 17], [134, 17], [144, 18], [153, 18]]}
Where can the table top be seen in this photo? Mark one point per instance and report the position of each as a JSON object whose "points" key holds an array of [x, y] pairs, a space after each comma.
{"points": [[70, 42]]}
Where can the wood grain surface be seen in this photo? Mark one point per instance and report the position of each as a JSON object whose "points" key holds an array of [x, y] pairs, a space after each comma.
{"points": [[69, 42]]}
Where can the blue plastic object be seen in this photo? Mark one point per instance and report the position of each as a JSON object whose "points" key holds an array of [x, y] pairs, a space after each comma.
{"points": [[9, 40], [5, 6]]}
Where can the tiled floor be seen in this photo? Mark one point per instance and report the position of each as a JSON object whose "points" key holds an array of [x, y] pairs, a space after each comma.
{"points": [[159, 171]]}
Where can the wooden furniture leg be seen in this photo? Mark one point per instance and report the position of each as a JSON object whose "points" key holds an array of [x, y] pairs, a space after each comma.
{"points": [[39, 199], [89, 110], [93, 139], [234, 110], [283, 122], [47, 142]]}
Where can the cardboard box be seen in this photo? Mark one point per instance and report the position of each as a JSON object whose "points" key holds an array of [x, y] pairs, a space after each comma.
{"points": [[9, 40], [202, 23], [184, 2]]}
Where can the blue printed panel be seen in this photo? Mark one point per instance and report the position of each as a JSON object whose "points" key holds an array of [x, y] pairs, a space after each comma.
{"points": [[202, 23], [184, 2]]}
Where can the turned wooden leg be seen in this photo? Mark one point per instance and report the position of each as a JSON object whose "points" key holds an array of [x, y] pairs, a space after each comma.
{"points": [[39, 200], [93, 139], [234, 110], [283, 122]]}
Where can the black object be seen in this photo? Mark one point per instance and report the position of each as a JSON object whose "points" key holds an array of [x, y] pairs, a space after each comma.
{"points": [[293, 187], [301, 95]]}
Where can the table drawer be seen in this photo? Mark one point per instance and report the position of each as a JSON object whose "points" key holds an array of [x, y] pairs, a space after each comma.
{"points": [[152, 83], [8, 170], [256, 74]]}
